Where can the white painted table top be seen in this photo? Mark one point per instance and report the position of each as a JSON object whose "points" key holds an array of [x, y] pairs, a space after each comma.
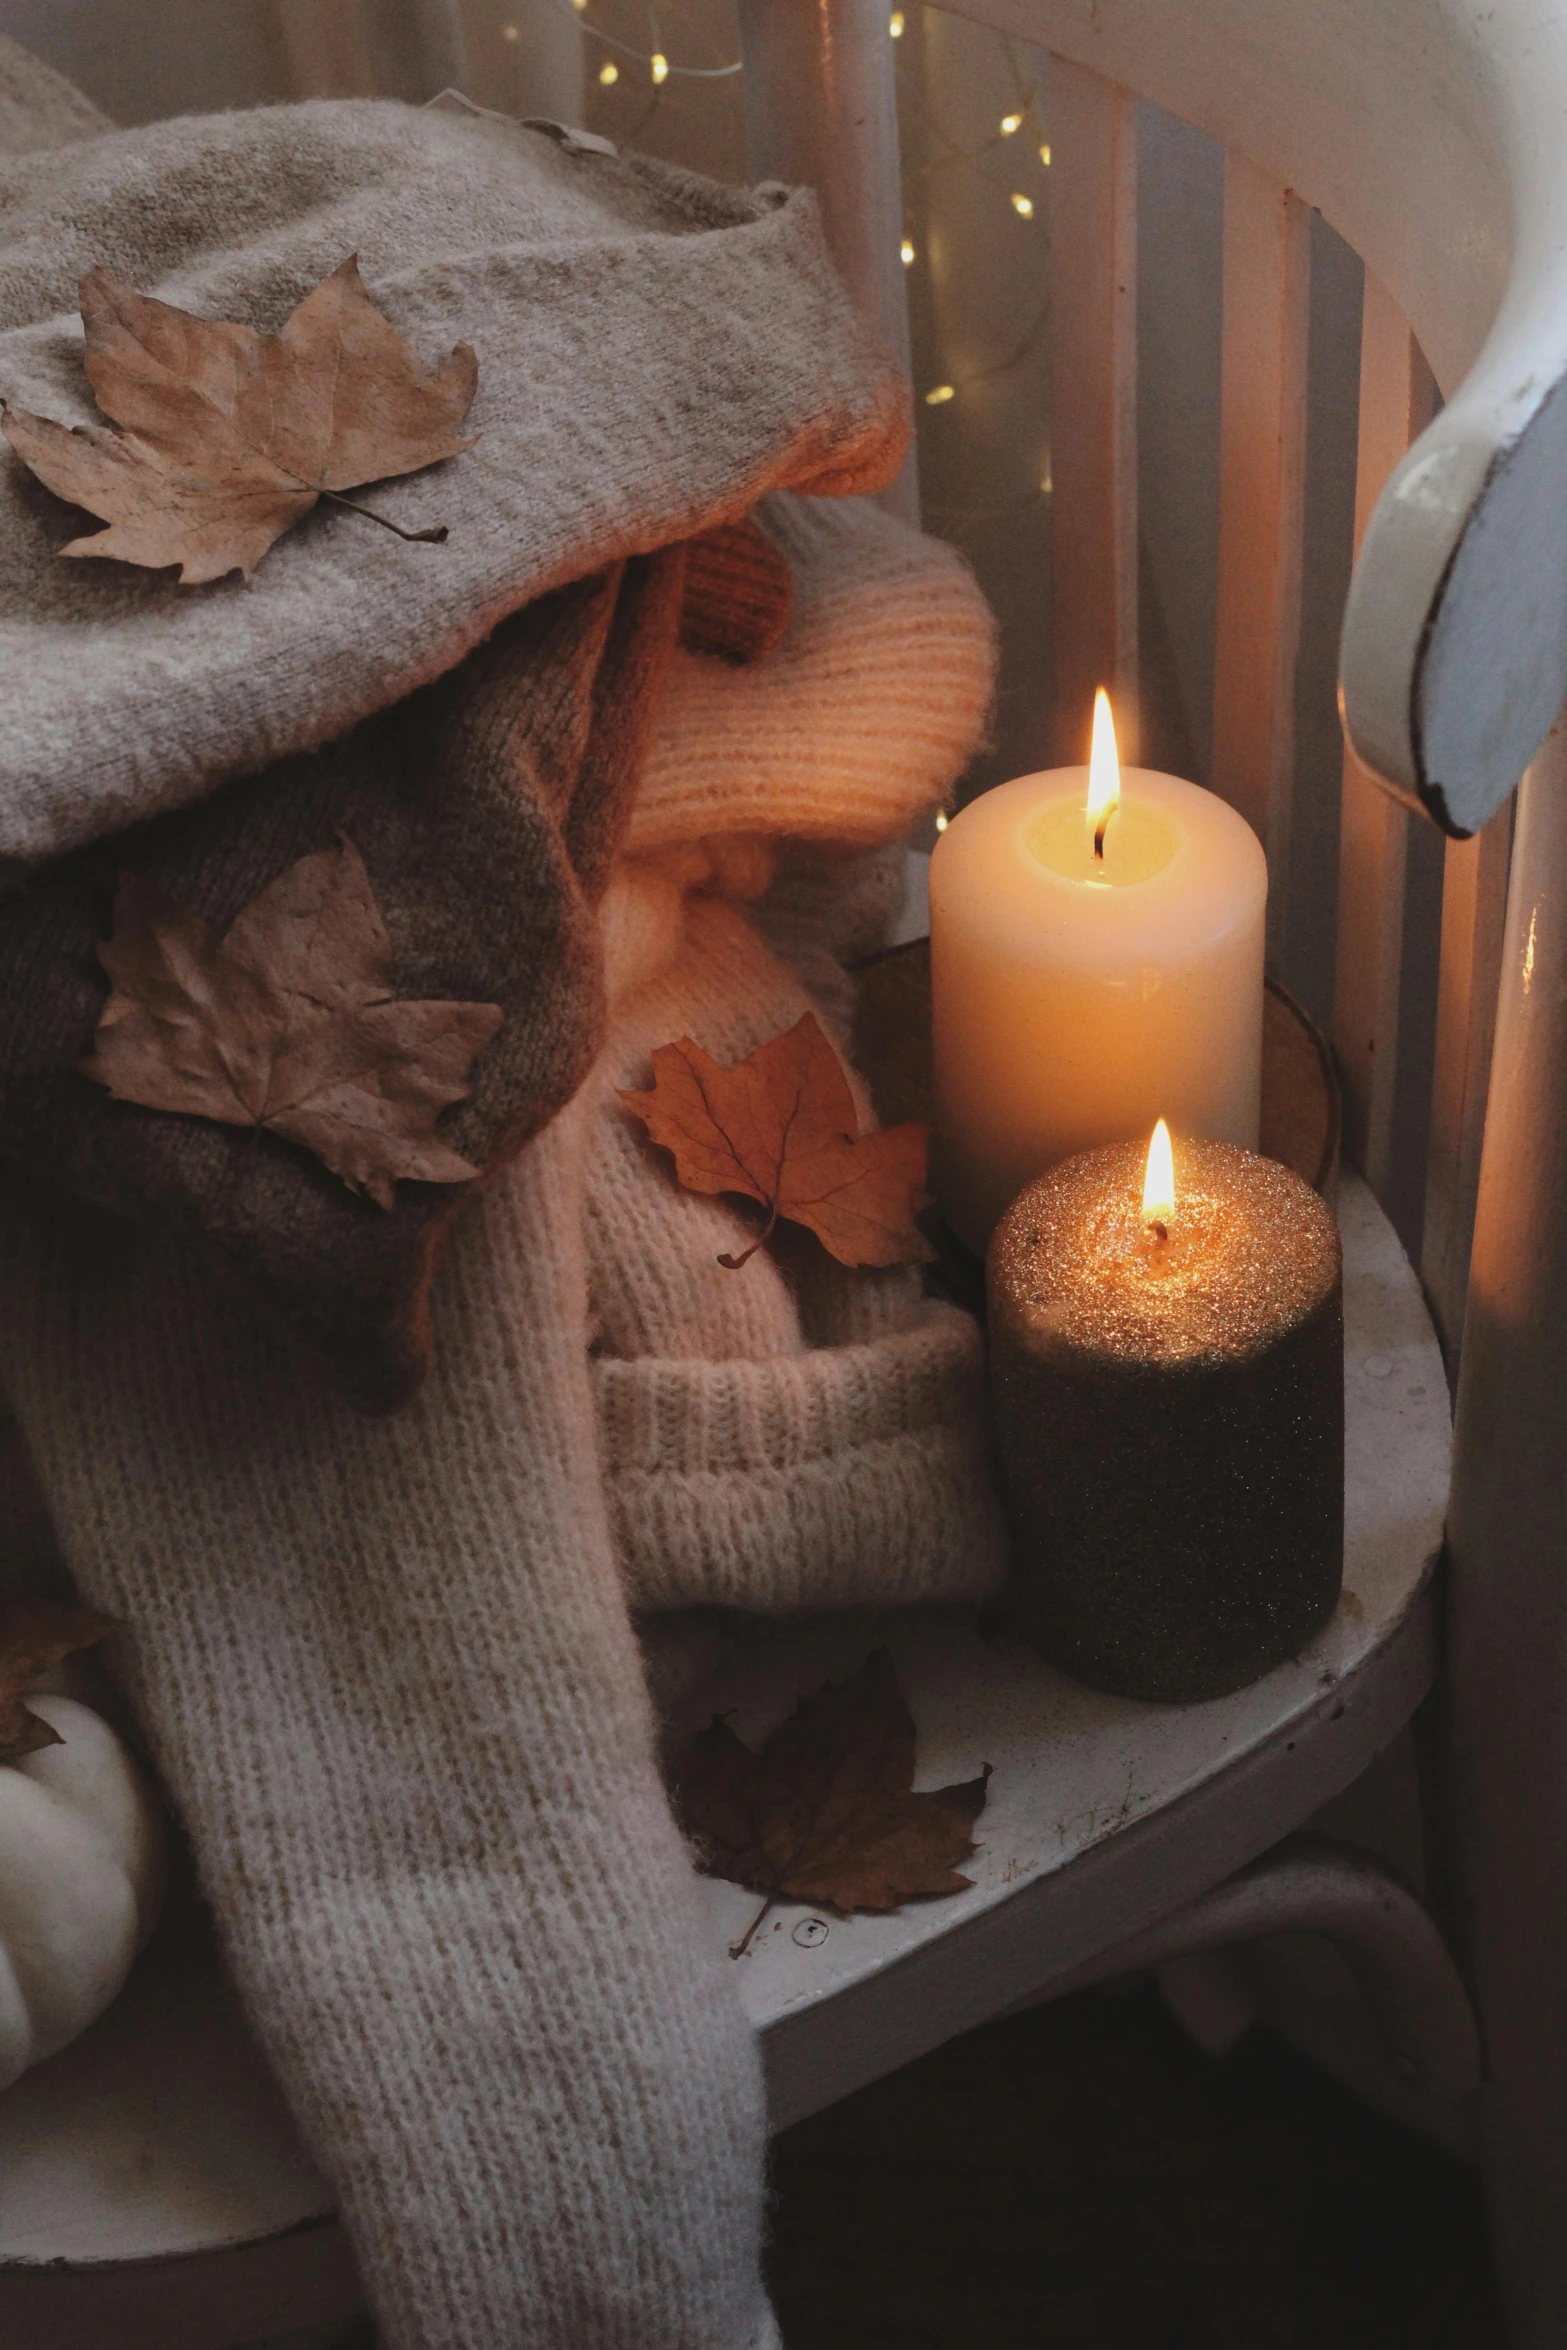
{"points": [[160, 2131]]}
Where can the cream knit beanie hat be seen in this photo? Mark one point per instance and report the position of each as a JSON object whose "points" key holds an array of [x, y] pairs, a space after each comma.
{"points": [[795, 1434]]}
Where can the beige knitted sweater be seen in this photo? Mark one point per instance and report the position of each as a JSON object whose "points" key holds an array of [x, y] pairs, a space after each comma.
{"points": [[387, 1667], [655, 352]]}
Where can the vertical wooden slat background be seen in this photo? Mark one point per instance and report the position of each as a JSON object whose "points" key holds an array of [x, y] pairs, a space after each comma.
{"points": [[1093, 404], [821, 108], [1386, 961], [1262, 451], [371, 48], [1474, 910], [1418, 928], [326, 48]]}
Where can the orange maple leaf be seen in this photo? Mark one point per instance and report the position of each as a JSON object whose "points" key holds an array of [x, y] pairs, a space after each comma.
{"points": [[780, 1128]]}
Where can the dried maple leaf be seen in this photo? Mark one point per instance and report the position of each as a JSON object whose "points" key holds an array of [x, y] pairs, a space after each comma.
{"points": [[826, 1813], [288, 1021], [781, 1128], [230, 436], [34, 1635]]}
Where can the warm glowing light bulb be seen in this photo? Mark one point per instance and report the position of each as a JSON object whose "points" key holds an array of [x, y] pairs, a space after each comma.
{"points": [[509, 32], [1010, 123], [1044, 157], [940, 393], [609, 73], [895, 24], [1104, 773], [907, 250], [1025, 205], [1159, 1180], [942, 820], [660, 67]]}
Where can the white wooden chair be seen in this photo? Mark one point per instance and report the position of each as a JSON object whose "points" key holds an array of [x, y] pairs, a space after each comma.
{"points": [[150, 2190]]}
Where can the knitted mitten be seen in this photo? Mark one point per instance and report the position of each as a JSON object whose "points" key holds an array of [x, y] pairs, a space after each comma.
{"points": [[388, 1674]]}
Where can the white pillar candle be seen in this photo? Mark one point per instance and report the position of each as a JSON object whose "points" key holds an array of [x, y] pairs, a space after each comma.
{"points": [[1081, 991]]}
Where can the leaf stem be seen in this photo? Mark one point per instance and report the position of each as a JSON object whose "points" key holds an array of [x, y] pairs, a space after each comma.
{"points": [[733, 1264], [425, 538], [739, 1949]]}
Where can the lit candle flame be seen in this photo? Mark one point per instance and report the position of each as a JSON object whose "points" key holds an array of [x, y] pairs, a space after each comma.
{"points": [[1104, 773], [1159, 1181]]}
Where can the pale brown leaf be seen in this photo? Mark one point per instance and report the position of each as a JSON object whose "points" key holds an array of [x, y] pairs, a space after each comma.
{"points": [[35, 1634], [826, 1813], [289, 1021], [229, 436], [780, 1128]]}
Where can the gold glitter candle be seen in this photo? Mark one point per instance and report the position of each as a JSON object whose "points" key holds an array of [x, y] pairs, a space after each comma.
{"points": [[1167, 1364]]}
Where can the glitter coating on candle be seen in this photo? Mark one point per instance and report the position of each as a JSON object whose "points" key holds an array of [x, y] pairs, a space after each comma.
{"points": [[1170, 1417]]}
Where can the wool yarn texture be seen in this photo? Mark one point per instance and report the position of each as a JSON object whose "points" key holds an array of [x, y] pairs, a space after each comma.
{"points": [[387, 1673], [487, 809], [796, 1434], [655, 353], [488, 805], [387, 1666]]}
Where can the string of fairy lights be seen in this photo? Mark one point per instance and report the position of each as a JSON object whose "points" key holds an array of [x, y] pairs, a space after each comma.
{"points": [[1020, 131], [657, 62]]}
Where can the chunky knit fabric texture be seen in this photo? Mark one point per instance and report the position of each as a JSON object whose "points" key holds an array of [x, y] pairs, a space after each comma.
{"points": [[389, 1676], [655, 353], [489, 805], [39, 108], [387, 1666], [792, 1435], [795, 1434], [488, 809]]}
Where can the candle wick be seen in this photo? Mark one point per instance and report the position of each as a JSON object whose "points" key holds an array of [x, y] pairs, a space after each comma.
{"points": [[1100, 830]]}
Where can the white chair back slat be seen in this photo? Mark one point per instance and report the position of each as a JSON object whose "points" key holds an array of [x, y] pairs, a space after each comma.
{"points": [[1093, 405], [1385, 971], [1429, 134], [821, 109], [325, 48], [370, 48], [1474, 912], [1262, 449]]}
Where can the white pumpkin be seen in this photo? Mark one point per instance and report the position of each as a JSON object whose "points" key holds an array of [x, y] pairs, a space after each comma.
{"points": [[81, 1878]]}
